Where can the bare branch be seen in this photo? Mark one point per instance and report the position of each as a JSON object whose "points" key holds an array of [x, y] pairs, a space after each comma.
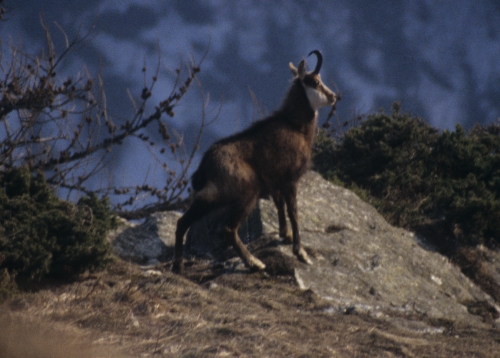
{"points": [[62, 126]]}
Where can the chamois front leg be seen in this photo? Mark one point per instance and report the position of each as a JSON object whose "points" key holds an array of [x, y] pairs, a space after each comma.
{"points": [[291, 204], [284, 230]]}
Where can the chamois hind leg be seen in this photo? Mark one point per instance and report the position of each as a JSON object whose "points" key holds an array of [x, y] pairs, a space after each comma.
{"points": [[196, 211], [284, 230], [290, 195], [238, 212]]}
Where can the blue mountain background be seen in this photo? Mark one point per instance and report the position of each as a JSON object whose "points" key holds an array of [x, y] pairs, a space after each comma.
{"points": [[440, 59]]}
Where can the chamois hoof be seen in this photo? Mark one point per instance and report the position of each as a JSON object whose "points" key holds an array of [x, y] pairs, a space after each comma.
{"points": [[255, 264], [302, 256]]}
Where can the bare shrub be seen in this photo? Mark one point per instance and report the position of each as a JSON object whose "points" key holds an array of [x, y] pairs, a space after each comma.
{"points": [[61, 126]]}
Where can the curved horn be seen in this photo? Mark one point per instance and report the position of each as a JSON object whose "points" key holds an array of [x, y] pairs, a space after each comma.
{"points": [[320, 60]]}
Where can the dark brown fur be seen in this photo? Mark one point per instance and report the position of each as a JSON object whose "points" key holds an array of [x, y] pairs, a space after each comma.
{"points": [[264, 160]]}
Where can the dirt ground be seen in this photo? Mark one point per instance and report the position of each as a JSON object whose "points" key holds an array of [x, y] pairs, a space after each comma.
{"points": [[128, 311]]}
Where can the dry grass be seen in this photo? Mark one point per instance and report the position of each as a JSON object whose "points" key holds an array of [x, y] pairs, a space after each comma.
{"points": [[208, 312]]}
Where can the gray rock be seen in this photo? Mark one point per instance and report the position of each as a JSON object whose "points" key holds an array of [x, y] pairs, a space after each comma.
{"points": [[148, 243], [364, 263], [360, 262]]}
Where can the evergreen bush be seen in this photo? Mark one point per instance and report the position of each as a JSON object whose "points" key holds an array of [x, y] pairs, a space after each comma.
{"points": [[445, 184], [41, 234]]}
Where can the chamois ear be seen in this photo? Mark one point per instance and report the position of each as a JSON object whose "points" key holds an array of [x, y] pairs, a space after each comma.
{"points": [[301, 70], [293, 69]]}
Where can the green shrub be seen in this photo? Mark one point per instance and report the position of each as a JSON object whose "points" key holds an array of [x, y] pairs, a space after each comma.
{"points": [[445, 184], [43, 235]]}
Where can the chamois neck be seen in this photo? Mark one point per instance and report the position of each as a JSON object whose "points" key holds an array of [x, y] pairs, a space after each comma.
{"points": [[296, 105]]}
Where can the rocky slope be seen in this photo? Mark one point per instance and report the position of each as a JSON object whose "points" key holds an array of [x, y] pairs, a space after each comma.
{"points": [[360, 262], [373, 291]]}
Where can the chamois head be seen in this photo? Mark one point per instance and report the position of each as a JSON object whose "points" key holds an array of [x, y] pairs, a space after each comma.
{"points": [[318, 93]]}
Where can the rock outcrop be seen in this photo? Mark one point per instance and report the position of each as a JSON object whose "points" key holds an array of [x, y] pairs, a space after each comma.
{"points": [[360, 262]]}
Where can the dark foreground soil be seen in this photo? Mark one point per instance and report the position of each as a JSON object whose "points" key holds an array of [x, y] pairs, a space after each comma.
{"points": [[127, 311]]}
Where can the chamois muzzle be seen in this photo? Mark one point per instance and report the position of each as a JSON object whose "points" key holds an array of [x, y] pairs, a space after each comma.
{"points": [[320, 60]]}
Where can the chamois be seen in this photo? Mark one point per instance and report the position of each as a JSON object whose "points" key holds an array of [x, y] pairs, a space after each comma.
{"points": [[267, 159]]}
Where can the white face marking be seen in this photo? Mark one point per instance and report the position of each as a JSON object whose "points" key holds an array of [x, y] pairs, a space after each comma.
{"points": [[316, 98]]}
